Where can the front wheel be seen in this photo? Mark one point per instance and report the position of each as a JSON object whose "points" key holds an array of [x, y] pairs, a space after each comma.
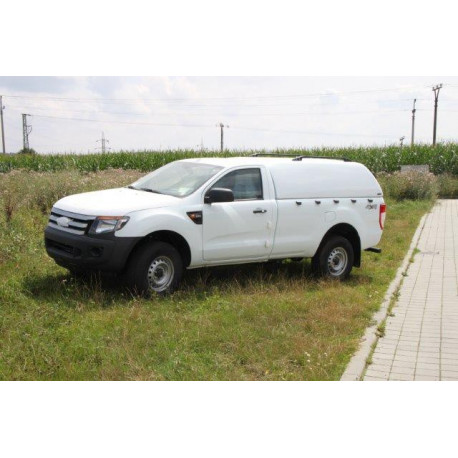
{"points": [[334, 259], [154, 267]]}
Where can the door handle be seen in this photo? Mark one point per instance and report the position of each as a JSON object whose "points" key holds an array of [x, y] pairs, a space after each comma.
{"points": [[259, 210]]}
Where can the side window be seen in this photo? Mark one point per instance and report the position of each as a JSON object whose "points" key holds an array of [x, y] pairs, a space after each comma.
{"points": [[246, 184]]}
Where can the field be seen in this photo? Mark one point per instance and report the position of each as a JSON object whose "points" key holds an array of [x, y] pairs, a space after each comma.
{"points": [[256, 322], [443, 158]]}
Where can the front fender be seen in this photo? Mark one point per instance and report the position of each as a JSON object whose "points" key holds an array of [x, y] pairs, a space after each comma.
{"points": [[145, 222]]}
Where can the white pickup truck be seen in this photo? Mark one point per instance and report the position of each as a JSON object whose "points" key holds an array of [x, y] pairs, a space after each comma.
{"points": [[217, 211]]}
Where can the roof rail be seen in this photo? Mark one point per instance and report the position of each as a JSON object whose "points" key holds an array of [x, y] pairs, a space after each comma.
{"points": [[345, 159], [299, 158], [273, 155]]}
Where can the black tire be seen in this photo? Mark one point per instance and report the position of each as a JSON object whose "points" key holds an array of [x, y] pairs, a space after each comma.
{"points": [[334, 258], [154, 268]]}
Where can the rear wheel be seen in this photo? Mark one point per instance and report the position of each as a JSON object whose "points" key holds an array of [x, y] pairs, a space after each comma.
{"points": [[334, 258], [154, 268]]}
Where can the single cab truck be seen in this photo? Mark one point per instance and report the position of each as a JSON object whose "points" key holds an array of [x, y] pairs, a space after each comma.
{"points": [[216, 211]]}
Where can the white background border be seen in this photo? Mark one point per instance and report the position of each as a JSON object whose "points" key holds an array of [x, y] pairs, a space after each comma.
{"points": [[240, 37], [227, 38]]}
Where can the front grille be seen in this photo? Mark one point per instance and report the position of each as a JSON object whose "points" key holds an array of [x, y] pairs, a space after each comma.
{"points": [[70, 222], [68, 249]]}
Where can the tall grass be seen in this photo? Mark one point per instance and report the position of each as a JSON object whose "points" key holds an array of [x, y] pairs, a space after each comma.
{"points": [[410, 185], [23, 189], [441, 159]]}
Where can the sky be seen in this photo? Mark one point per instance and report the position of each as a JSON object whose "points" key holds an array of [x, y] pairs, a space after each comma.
{"points": [[69, 114]]}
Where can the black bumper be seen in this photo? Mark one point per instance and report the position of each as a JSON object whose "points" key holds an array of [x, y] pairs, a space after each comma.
{"points": [[107, 253]]}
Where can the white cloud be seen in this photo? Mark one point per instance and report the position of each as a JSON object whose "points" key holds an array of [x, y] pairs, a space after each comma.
{"points": [[263, 112]]}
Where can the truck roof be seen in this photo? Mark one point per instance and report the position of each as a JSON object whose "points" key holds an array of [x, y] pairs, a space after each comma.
{"points": [[309, 177], [259, 160]]}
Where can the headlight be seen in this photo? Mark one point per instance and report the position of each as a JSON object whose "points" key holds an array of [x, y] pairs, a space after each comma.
{"points": [[105, 224]]}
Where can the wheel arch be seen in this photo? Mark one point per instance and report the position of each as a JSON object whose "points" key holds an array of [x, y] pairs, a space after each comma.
{"points": [[172, 238], [351, 234]]}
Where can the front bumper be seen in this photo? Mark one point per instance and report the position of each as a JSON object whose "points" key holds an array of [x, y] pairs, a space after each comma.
{"points": [[108, 253]]}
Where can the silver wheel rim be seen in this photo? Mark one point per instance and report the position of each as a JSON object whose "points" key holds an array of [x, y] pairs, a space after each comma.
{"points": [[160, 273], [337, 262]]}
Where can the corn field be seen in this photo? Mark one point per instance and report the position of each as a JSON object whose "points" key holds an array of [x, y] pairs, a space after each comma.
{"points": [[441, 159]]}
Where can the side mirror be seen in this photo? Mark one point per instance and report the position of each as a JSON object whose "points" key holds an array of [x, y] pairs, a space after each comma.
{"points": [[216, 195]]}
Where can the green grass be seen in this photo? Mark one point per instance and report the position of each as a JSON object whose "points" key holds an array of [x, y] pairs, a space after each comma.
{"points": [[252, 322], [443, 158]]}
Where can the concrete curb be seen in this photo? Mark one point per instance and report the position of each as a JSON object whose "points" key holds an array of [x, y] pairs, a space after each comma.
{"points": [[355, 368]]}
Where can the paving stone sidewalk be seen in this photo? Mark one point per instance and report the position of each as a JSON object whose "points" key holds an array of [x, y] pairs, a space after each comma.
{"points": [[421, 339]]}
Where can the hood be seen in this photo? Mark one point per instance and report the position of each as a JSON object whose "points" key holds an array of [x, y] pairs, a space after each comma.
{"points": [[114, 202]]}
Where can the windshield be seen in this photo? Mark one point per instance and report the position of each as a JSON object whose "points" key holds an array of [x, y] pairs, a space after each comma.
{"points": [[177, 179]]}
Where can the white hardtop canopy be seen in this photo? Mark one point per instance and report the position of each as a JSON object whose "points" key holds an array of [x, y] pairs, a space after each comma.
{"points": [[310, 177]]}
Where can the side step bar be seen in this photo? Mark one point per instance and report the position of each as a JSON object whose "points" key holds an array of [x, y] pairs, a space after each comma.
{"points": [[374, 250]]}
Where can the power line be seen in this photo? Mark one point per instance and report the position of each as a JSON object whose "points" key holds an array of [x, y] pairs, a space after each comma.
{"points": [[302, 132], [313, 113], [123, 122], [317, 94], [207, 126], [236, 105]]}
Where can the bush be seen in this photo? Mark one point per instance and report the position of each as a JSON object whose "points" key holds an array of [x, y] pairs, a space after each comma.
{"points": [[409, 185], [448, 186], [29, 151], [40, 190]]}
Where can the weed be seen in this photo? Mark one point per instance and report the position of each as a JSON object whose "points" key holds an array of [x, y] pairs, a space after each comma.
{"points": [[448, 185], [381, 328], [409, 185]]}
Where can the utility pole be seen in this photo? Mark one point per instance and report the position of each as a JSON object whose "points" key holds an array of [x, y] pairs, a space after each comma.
{"points": [[222, 126], [436, 90], [1, 122], [201, 146], [413, 123], [26, 130], [103, 141]]}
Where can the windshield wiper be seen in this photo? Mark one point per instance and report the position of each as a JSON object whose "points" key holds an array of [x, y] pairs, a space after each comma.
{"points": [[144, 189], [150, 190]]}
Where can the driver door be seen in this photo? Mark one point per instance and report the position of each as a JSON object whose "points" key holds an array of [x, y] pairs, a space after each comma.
{"points": [[243, 229]]}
